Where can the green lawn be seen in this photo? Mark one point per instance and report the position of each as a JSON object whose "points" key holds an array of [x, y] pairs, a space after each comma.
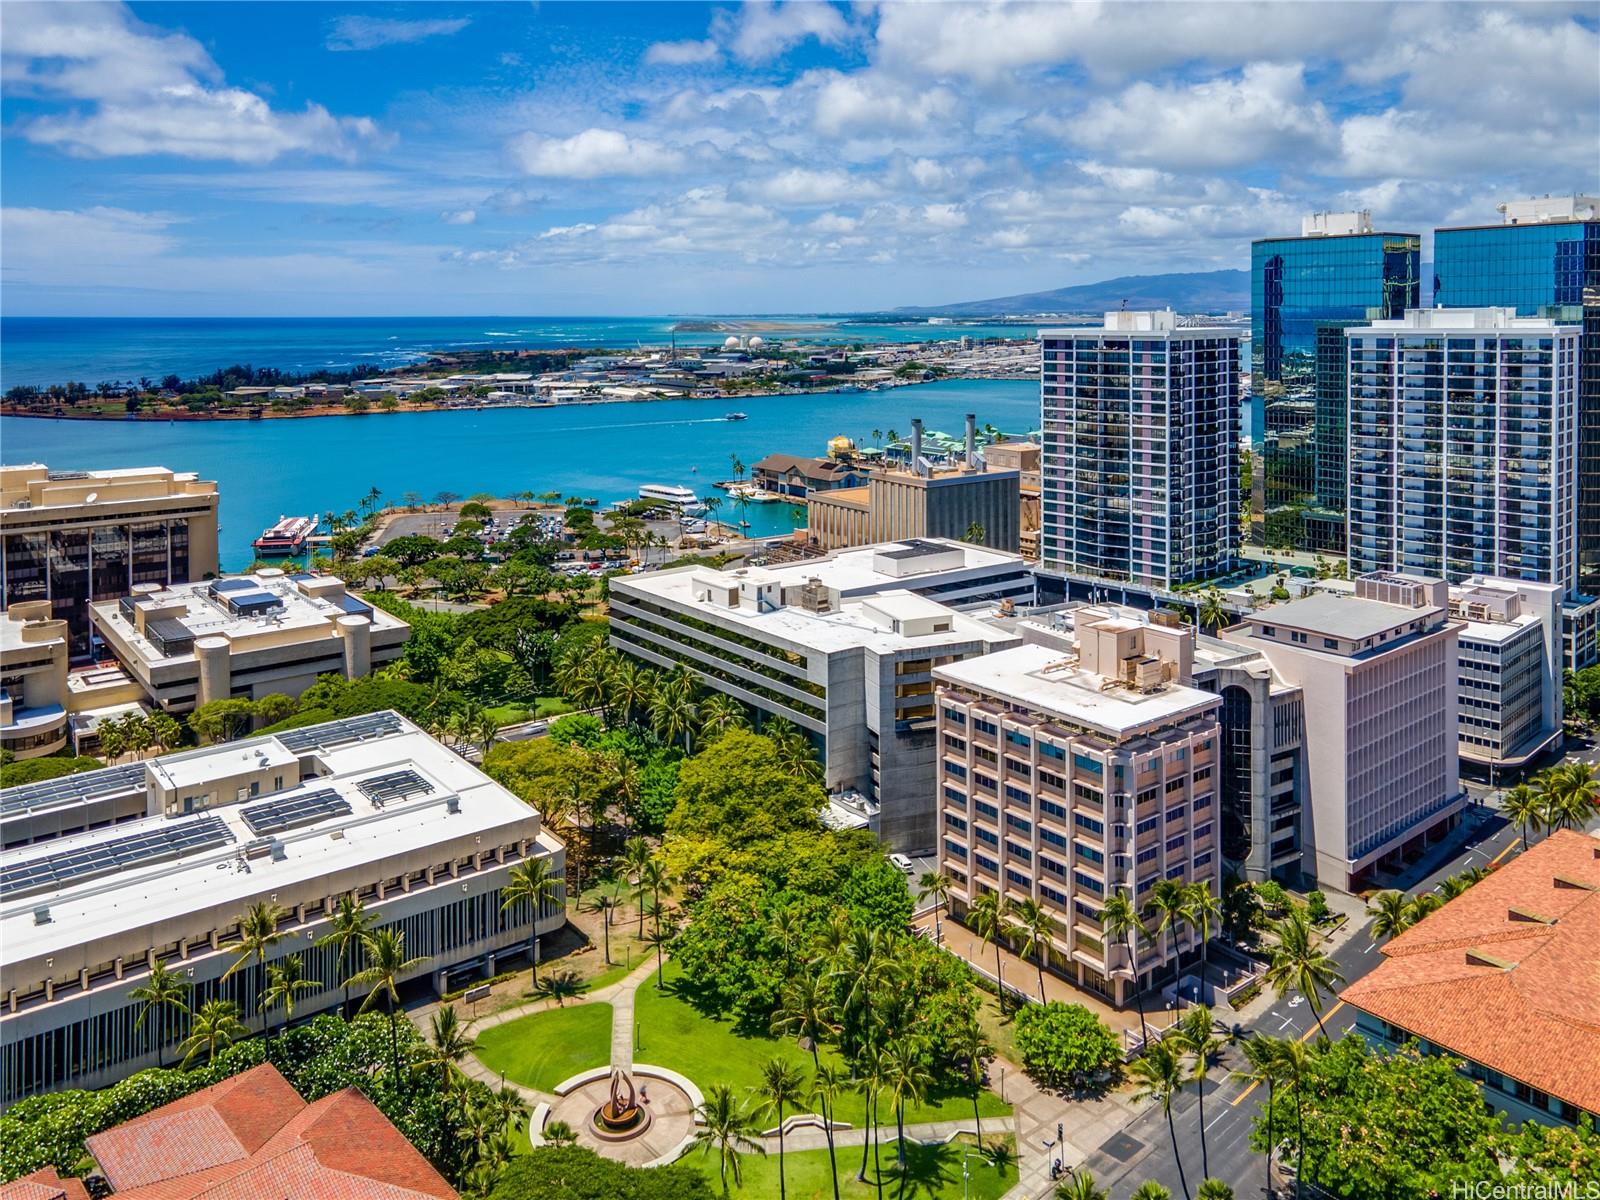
{"points": [[672, 1033], [542, 1049], [933, 1173]]}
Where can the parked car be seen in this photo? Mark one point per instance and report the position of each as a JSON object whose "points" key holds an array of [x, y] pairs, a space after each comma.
{"points": [[901, 861]]}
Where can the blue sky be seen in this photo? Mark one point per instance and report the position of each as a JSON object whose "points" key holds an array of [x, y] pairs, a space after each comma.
{"points": [[329, 158]]}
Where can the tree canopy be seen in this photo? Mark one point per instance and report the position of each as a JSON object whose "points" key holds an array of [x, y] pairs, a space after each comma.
{"points": [[576, 1173], [738, 789], [1058, 1041]]}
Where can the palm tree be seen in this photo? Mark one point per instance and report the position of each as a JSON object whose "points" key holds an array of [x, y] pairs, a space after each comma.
{"points": [[1150, 1190], [1159, 1075], [654, 878], [936, 884], [164, 989], [1202, 911], [485, 729], [1197, 1035], [870, 1077], [907, 1080], [604, 900], [828, 1083], [635, 856], [1453, 887], [1034, 931], [286, 979], [559, 1133], [987, 916], [448, 1043], [1391, 914], [805, 1009], [1524, 808], [1300, 964], [1212, 610], [1294, 1060], [726, 1127], [672, 714], [215, 1027], [971, 1048], [720, 713], [532, 881], [258, 933], [1264, 1055], [347, 927], [386, 962], [630, 686], [1169, 900], [1572, 796], [1081, 1187], [1121, 920], [1214, 1189], [782, 1086], [660, 935], [1422, 904]]}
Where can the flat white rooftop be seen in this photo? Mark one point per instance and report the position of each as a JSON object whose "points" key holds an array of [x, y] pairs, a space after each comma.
{"points": [[1350, 617], [444, 800], [1478, 320], [1047, 680]]}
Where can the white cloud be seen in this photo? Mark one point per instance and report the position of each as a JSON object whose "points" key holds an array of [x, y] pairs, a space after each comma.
{"points": [[592, 154], [462, 216], [368, 33], [762, 31], [148, 92], [875, 104], [832, 223], [943, 216], [682, 54], [803, 186]]}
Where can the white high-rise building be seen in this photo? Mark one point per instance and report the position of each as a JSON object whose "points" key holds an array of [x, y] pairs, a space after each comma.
{"points": [[1139, 472], [1463, 446]]}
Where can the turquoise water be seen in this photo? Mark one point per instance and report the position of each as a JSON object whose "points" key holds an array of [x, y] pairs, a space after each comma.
{"points": [[44, 350], [268, 468]]}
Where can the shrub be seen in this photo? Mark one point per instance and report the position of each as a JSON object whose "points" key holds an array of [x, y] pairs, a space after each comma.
{"points": [[1059, 1041]]}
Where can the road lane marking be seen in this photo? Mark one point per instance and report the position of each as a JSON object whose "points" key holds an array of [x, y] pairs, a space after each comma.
{"points": [[1240, 1098]]}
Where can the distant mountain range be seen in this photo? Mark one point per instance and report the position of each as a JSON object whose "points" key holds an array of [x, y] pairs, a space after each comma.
{"points": [[1194, 292]]}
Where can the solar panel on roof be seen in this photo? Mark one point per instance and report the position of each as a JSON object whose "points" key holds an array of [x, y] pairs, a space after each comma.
{"points": [[292, 811], [79, 863], [396, 785], [339, 733], [90, 785]]}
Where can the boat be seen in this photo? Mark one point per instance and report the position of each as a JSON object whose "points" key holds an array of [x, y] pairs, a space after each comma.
{"points": [[736, 416], [673, 494], [287, 536]]}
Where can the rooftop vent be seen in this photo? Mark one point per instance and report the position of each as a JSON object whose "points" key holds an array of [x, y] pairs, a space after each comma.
{"points": [[452, 804], [41, 915]]}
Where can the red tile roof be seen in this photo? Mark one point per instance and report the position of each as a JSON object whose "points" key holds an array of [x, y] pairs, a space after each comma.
{"points": [[1508, 973], [252, 1137], [43, 1184]]}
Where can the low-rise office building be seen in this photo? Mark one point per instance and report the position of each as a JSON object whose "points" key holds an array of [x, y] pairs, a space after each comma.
{"points": [[105, 874], [33, 680], [73, 537], [1506, 978], [245, 637], [842, 647], [1076, 766], [1509, 687]]}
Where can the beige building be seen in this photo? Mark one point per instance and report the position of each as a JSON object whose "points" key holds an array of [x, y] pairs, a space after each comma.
{"points": [[245, 636], [33, 680], [921, 500], [1076, 766], [1023, 458], [74, 537]]}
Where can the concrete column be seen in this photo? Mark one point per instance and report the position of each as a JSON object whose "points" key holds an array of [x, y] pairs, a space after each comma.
{"points": [[216, 672], [357, 634]]}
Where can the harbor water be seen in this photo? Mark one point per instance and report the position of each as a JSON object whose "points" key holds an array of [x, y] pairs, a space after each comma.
{"points": [[268, 468]]}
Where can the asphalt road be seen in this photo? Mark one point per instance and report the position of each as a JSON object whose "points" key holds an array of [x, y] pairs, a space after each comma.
{"points": [[1143, 1150]]}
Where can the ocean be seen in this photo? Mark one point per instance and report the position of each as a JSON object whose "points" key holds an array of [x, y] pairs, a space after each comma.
{"points": [[44, 350], [268, 468]]}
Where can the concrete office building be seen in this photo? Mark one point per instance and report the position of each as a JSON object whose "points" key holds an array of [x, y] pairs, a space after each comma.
{"points": [[922, 500], [842, 647], [1509, 683], [1139, 471], [1377, 767], [1542, 259], [1463, 446], [106, 873], [73, 537], [1023, 457], [1075, 766], [33, 680], [245, 637], [1303, 291]]}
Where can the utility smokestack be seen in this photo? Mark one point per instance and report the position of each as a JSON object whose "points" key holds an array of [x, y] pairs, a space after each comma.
{"points": [[916, 445], [972, 441]]}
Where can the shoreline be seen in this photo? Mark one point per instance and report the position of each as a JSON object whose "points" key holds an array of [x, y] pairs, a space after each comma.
{"points": [[183, 417]]}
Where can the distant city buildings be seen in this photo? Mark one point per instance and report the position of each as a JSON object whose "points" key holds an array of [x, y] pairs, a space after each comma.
{"points": [[1303, 291], [1139, 470], [843, 647], [1463, 446], [1077, 765], [1543, 260], [74, 537], [104, 874], [1506, 978]]}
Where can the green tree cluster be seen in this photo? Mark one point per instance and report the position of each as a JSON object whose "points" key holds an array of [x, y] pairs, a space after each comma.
{"points": [[1061, 1043], [575, 1173]]}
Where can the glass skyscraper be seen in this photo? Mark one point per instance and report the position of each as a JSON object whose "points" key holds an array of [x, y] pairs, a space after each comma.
{"points": [[1303, 292], [1544, 260]]}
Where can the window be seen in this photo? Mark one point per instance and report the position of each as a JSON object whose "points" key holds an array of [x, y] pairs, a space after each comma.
{"points": [[988, 864], [1176, 843], [982, 726], [955, 770], [1051, 837], [954, 823], [1049, 751], [1051, 809], [1083, 762], [954, 795], [1015, 822], [1148, 825], [1089, 854], [1018, 794], [1053, 867], [1202, 802], [1202, 831], [1088, 883], [1089, 823], [986, 810], [987, 838], [954, 717], [1018, 739], [1021, 853], [1148, 856]]}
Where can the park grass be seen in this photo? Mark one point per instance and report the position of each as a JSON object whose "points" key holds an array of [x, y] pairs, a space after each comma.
{"points": [[543, 1048], [932, 1173], [670, 1032]]}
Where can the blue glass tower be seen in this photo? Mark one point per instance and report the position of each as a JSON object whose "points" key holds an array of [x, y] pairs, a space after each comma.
{"points": [[1544, 260], [1303, 292]]}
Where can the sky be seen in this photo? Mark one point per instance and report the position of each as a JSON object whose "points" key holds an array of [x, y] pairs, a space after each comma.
{"points": [[610, 158]]}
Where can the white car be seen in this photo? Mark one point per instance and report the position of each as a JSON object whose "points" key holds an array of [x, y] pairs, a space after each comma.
{"points": [[901, 861]]}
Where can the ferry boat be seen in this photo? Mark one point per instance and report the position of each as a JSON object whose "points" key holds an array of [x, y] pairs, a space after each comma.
{"points": [[681, 496], [287, 536], [736, 416]]}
